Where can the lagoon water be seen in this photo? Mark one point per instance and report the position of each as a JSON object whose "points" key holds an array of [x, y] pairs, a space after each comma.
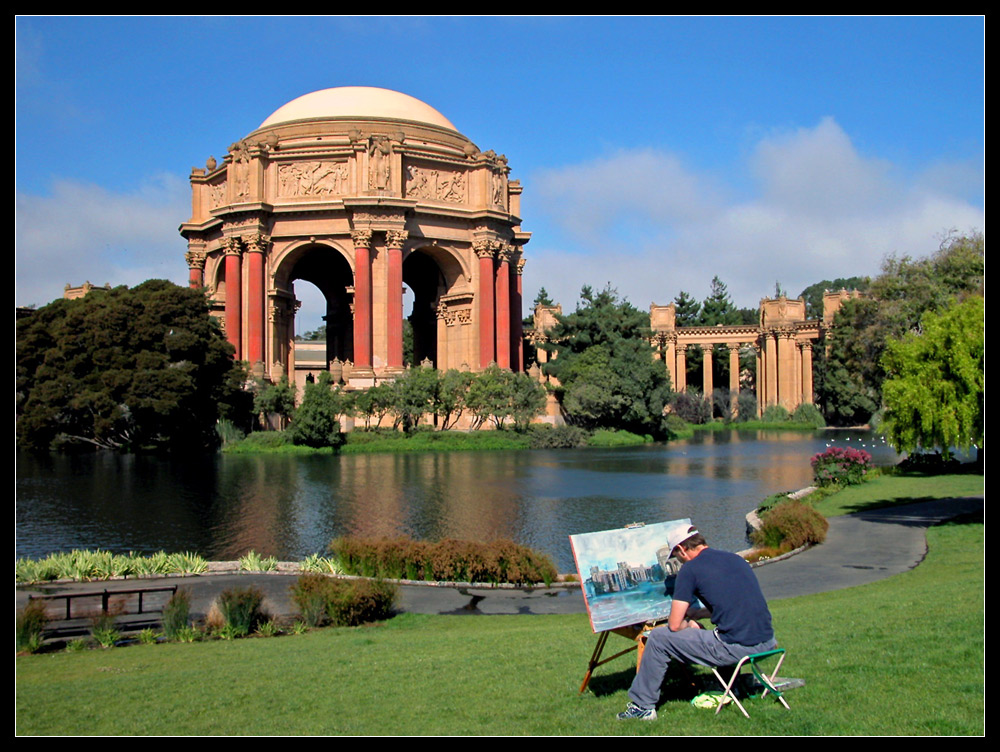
{"points": [[224, 505]]}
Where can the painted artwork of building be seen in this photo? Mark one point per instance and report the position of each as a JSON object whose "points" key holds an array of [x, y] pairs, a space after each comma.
{"points": [[361, 191]]}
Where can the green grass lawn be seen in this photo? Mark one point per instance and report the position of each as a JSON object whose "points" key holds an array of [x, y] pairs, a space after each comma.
{"points": [[902, 656], [900, 489]]}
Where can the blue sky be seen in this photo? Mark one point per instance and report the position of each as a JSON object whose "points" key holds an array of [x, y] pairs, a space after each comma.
{"points": [[655, 152]]}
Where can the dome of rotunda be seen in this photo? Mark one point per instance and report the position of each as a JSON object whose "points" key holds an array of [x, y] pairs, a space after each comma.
{"points": [[358, 102]]}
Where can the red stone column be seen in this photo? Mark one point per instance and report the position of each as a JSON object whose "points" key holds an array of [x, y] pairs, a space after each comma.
{"points": [[196, 268], [256, 248], [734, 379], [362, 299], [487, 339], [503, 306], [516, 322], [681, 368], [234, 294], [394, 240], [707, 384]]}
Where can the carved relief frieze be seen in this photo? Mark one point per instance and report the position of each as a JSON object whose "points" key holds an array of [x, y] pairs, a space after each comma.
{"points": [[216, 195], [313, 179], [435, 185]]}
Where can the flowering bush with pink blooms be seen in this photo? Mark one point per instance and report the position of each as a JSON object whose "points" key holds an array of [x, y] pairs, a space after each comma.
{"points": [[837, 466]]}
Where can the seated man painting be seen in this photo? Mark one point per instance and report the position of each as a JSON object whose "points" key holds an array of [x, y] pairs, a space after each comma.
{"points": [[728, 588]]}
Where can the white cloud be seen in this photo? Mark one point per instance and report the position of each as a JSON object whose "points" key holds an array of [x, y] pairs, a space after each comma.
{"points": [[85, 232], [651, 226]]}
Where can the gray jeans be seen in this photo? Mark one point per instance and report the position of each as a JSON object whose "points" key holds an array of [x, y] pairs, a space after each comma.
{"points": [[699, 646]]}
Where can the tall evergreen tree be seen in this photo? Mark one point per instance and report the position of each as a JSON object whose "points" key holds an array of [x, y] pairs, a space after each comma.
{"points": [[605, 365]]}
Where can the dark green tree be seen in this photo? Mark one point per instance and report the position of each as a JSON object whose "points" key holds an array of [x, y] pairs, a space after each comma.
{"points": [[274, 399], [145, 367], [316, 421], [718, 307], [604, 364], [687, 310], [414, 393], [452, 397]]}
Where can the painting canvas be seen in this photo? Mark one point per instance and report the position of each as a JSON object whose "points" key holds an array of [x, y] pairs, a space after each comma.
{"points": [[626, 574]]}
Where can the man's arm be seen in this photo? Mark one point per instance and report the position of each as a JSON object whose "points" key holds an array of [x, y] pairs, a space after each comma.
{"points": [[678, 617]]}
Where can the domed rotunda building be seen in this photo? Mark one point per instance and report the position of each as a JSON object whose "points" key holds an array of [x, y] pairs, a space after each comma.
{"points": [[359, 191]]}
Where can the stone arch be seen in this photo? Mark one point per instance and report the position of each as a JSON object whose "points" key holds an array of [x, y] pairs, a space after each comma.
{"points": [[329, 268]]}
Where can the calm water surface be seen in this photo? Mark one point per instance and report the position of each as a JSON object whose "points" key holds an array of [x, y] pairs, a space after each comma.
{"points": [[290, 507]]}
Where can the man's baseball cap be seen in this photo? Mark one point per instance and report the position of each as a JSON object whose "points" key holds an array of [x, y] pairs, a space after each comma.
{"points": [[679, 536]]}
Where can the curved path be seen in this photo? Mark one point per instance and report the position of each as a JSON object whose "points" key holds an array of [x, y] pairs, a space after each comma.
{"points": [[860, 548]]}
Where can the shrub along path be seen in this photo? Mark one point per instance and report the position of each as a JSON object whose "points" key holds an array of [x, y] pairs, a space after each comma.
{"points": [[860, 548]]}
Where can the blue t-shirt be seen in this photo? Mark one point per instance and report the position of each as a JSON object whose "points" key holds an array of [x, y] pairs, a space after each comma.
{"points": [[726, 584]]}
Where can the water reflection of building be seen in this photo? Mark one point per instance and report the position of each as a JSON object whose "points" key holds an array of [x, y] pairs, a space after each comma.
{"points": [[625, 577]]}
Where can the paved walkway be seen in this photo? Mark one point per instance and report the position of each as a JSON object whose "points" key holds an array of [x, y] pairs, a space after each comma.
{"points": [[860, 548]]}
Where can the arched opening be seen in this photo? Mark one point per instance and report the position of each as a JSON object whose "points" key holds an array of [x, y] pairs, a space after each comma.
{"points": [[331, 274], [427, 283]]}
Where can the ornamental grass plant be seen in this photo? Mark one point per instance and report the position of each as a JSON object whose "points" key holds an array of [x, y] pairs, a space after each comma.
{"points": [[450, 560]]}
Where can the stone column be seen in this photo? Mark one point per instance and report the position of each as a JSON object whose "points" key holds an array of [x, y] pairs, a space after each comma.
{"points": [[503, 306], [759, 379], [770, 363], [681, 368], [256, 247], [807, 372], [487, 335], [362, 300], [670, 356], [196, 268], [516, 322], [707, 386], [234, 294], [734, 380], [786, 371], [394, 240]]}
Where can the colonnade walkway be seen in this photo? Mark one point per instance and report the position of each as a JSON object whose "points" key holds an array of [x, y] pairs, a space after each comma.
{"points": [[860, 548]]}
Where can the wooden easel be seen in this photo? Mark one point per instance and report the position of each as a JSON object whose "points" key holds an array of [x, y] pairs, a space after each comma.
{"points": [[635, 632]]}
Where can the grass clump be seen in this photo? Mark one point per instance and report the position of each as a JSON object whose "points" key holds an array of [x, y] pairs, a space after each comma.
{"points": [[104, 630], [84, 565], [175, 614], [254, 562], [610, 438], [545, 436], [326, 600], [30, 627], [787, 526], [241, 610], [501, 561]]}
